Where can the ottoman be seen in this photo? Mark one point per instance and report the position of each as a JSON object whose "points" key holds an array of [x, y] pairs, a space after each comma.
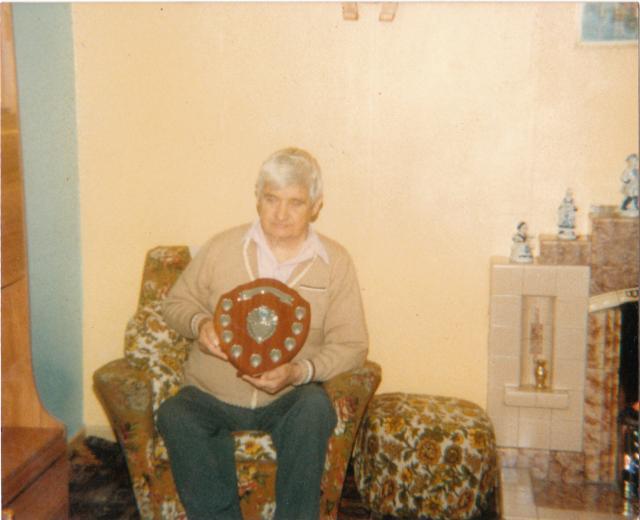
{"points": [[423, 456]]}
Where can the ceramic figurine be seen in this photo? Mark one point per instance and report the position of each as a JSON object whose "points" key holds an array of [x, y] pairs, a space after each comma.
{"points": [[520, 249], [567, 217], [629, 179]]}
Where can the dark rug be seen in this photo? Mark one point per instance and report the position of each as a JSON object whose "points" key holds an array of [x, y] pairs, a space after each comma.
{"points": [[100, 488]]}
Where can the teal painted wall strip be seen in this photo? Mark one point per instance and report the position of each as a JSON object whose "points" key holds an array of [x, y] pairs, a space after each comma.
{"points": [[46, 87]]}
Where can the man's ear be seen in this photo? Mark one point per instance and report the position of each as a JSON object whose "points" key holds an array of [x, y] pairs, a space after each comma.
{"points": [[315, 209]]}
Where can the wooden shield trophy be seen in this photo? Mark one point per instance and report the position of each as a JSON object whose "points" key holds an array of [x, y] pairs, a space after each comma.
{"points": [[261, 325]]}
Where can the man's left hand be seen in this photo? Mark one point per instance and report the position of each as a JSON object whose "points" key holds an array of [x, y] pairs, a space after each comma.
{"points": [[275, 380]]}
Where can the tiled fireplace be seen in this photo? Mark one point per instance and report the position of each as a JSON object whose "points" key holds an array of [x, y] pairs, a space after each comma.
{"points": [[552, 382], [553, 300]]}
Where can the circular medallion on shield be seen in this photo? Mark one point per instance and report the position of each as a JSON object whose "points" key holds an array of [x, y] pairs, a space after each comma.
{"points": [[261, 325]]}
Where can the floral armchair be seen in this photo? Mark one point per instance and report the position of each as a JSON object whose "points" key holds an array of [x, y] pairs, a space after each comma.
{"points": [[132, 388]]}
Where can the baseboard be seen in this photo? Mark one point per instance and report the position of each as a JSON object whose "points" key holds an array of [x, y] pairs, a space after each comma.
{"points": [[100, 430]]}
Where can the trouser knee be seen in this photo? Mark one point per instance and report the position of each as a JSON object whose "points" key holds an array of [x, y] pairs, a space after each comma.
{"points": [[170, 417]]}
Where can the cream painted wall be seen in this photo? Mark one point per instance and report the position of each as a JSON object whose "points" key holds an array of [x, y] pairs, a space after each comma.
{"points": [[437, 133]]}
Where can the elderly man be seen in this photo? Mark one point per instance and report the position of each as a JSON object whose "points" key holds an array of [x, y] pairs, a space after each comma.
{"points": [[287, 402]]}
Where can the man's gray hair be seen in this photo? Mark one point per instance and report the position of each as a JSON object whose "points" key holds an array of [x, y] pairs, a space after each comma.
{"points": [[291, 166]]}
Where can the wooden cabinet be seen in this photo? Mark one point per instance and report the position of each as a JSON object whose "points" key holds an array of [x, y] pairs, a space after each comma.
{"points": [[35, 467]]}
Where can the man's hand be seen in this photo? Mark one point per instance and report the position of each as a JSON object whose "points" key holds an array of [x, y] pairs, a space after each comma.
{"points": [[208, 340], [275, 380]]}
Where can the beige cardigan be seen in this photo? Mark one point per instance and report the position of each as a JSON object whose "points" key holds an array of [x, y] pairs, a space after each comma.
{"points": [[337, 341]]}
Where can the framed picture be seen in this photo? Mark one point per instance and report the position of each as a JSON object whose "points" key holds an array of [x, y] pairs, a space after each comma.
{"points": [[609, 22]]}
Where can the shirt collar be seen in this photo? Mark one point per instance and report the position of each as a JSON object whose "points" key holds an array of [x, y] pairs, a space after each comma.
{"points": [[312, 245]]}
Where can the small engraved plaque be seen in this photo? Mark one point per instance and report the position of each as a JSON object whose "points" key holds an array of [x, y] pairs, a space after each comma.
{"points": [[262, 325]]}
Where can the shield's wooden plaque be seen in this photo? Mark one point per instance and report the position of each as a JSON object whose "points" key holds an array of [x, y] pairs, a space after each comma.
{"points": [[261, 325]]}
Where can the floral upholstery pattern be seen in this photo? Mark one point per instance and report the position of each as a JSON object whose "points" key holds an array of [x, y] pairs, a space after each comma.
{"points": [[132, 388], [425, 456]]}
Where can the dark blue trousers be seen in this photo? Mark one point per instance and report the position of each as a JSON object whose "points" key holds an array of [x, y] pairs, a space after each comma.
{"points": [[197, 430]]}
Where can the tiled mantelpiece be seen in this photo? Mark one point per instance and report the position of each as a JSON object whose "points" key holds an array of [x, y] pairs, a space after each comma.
{"points": [[524, 417], [611, 250]]}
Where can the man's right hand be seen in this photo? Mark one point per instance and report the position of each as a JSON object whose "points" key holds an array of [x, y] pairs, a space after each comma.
{"points": [[208, 340]]}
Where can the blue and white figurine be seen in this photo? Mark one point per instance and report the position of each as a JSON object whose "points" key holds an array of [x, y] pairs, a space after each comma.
{"points": [[520, 249], [567, 217], [629, 179]]}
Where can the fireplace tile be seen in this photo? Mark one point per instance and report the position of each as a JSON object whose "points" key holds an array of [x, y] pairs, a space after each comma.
{"points": [[505, 310], [573, 282], [594, 389], [506, 279], [572, 312], [539, 280], [538, 462], [568, 374], [553, 400], [570, 343], [542, 415], [534, 434], [513, 396], [566, 435], [574, 409], [566, 466], [505, 423]]}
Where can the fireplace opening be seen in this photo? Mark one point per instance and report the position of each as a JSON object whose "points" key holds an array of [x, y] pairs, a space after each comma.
{"points": [[629, 453]]}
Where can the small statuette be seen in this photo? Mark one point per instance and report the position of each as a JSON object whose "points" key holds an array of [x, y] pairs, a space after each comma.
{"points": [[227, 336], [225, 320], [629, 179], [297, 328], [227, 304], [275, 355], [255, 360], [540, 374], [236, 350], [567, 217], [300, 312], [290, 344], [520, 249]]}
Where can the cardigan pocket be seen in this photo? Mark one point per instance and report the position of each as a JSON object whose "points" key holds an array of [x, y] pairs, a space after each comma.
{"points": [[318, 298]]}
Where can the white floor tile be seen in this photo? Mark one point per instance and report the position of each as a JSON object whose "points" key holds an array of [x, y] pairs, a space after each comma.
{"points": [[527, 510], [516, 477], [589, 515], [545, 513]]}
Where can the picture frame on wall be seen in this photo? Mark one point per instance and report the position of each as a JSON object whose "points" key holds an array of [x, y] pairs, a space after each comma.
{"points": [[609, 22]]}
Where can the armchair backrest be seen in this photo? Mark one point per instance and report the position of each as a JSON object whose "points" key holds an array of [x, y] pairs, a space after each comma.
{"points": [[162, 267]]}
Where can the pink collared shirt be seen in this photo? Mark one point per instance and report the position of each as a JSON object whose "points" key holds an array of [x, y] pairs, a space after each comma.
{"points": [[268, 265]]}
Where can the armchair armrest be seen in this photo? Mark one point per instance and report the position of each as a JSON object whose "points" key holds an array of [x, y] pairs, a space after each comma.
{"points": [[350, 393], [125, 392]]}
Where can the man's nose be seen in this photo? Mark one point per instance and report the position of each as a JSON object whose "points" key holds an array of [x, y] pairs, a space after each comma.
{"points": [[281, 211]]}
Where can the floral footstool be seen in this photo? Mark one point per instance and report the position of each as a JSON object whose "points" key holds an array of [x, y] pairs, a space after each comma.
{"points": [[423, 456]]}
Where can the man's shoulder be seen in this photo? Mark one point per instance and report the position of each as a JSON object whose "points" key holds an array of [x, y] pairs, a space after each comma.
{"points": [[229, 236], [335, 250], [235, 233]]}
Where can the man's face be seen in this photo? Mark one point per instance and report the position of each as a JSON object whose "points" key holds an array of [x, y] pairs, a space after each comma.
{"points": [[285, 213]]}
